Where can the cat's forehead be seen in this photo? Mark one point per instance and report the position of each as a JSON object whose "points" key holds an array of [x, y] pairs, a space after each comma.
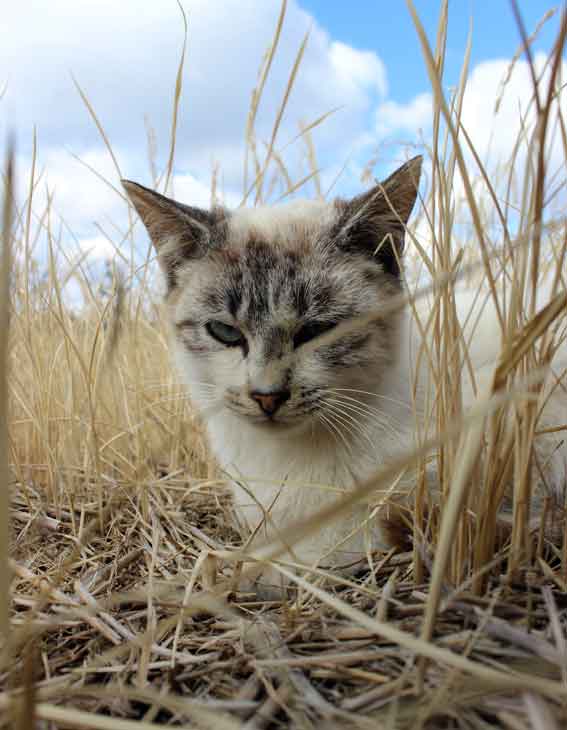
{"points": [[262, 286], [269, 267], [277, 266], [296, 226], [260, 282]]}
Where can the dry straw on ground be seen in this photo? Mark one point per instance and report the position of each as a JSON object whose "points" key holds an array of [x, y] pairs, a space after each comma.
{"points": [[119, 549]]}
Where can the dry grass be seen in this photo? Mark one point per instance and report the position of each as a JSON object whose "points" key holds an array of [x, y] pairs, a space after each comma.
{"points": [[119, 549]]}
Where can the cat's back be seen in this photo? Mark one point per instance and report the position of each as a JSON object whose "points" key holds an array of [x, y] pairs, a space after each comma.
{"points": [[481, 330]]}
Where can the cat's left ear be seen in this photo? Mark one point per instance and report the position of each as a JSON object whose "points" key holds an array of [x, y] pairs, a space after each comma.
{"points": [[179, 232], [374, 222]]}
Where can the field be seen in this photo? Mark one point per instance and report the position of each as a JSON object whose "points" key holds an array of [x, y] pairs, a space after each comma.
{"points": [[118, 606]]}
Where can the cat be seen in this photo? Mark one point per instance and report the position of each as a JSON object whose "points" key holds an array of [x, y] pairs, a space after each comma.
{"points": [[299, 408]]}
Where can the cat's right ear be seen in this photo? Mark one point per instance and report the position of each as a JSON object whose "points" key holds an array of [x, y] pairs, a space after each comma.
{"points": [[178, 232]]}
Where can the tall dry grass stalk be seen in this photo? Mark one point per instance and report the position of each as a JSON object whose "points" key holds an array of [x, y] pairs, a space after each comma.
{"points": [[121, 532], [5, 268]]}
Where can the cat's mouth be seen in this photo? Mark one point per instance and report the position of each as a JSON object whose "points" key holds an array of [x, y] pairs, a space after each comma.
{"points": [[276, 423], [289, 418], [281, 428]]}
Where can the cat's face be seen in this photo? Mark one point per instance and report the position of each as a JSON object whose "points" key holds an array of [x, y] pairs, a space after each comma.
{"points": [[249, 323], [264, 302]]}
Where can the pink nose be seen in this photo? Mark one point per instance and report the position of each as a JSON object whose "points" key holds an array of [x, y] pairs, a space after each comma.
{"points": [[270, 402]]}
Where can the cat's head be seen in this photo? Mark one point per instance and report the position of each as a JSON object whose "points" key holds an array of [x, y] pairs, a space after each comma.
{"points": [[260, 300]]}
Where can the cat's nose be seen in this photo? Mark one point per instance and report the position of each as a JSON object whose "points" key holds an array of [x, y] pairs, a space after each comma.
{"points": [[270, 402]]}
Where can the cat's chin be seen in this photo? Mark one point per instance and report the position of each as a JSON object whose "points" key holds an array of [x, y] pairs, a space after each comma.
{"points": [[277, 427], [281, 427]]}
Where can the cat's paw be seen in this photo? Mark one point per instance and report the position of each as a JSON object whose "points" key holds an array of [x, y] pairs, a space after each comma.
{"points": [[265, 583]]}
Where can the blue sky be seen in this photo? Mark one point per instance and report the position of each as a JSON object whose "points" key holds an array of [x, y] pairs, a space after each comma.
{"points": [[363, 57], [387, 28]]}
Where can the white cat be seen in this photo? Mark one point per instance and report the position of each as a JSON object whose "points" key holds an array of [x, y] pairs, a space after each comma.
{"points": [[298, 406]]}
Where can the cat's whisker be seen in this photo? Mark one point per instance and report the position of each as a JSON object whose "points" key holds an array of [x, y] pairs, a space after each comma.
{"points": [[359, 401], [376, 415], [328, 427], [364, 417], [329, 419], [353, 435], [354, 428], [378, 412], [338, 394], [364, 430], [381, 413], [339, 426], [380, 396]]}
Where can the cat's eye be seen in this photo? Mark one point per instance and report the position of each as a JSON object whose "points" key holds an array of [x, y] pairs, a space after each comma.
{"points": [[310, 331], [225, 333]]}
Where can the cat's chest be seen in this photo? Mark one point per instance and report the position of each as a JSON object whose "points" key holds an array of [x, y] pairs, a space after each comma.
{"points": [[286, 474], [255, 456]]}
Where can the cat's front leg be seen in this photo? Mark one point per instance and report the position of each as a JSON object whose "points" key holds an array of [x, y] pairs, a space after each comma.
{"points": [[263, 519], [265, 580]]}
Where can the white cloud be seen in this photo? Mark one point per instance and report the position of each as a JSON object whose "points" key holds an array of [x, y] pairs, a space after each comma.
{"points": [[495, 115], [125, 57], [494, 133], [414, 117], [198, 193], [358, 69], [79, 196], [98, 247]]}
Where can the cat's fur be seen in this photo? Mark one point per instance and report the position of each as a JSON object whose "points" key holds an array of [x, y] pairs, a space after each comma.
{"points": [[284, 276]]}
